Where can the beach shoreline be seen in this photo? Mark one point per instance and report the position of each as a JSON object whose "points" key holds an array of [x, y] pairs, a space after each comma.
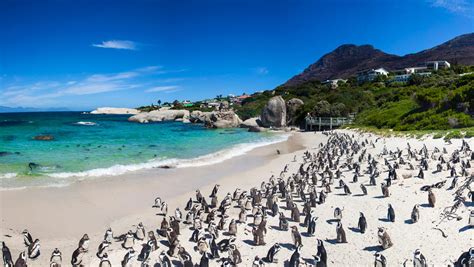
{"points": [[60, 216]]}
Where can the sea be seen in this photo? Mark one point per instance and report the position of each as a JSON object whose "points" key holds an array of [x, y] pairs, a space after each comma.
{"points": [[87, 146]]}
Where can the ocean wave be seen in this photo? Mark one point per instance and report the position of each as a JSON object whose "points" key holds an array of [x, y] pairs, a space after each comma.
{"points": [[204, 160], [85, 123], [8, 175]]}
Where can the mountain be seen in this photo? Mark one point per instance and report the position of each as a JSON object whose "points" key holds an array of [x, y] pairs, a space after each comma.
{"points": [[348, 59], [4, 109]]}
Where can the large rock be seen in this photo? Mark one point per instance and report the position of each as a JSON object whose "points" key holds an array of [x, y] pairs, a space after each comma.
{"points": [[160, 115], [292, 107], [198, 116], [117, 111], [223, 119], [252, 122], [274, 113]]}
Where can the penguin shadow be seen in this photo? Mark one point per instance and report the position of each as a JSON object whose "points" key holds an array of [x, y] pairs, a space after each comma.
{"points": [[273, 227], [176, 263], [331, 221], [354, 229], [425, 205], [465, 228], [409, 221], [288, 246], [469, 204], [157, 265], [249, 242], [306, 234], [379, 197], [358, 195], [342, 194], [164, 243], [384, 220], [373, 248], [332, 241]]}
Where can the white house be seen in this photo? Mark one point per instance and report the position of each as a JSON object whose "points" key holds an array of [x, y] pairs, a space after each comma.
{"points": [[370, 75], [436, 65], [334, 83]]}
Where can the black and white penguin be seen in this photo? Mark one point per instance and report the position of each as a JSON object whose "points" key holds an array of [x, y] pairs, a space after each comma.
{"points": [[338, 213], [34, 250], [312, 225], [189, 204], [390, 213], [164, 260], [105, 262], [340, 233], [272, 253], [204, 262], [109, 236], [84, 242], [21, 261], [145, 251], [415, 214], [466, 259], [321, 254], [362, 224], [127, 259], [380, 260], [295, 258], [56, 258], [431, 198], [471, 219], [140, 232], [364, 189], [296, 236], [7, 256], [77, 256], [27, 239], [419, 259], [283, 223]]}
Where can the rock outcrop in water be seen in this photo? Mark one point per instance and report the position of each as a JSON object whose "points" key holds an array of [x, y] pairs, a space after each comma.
{"points": [[223, 119], [161, 115], [252, 122], [44, 137], [274, 113], [115, 111]]}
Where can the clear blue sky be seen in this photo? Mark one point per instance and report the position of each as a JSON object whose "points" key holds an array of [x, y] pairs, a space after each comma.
{"points": [[85, 54]]}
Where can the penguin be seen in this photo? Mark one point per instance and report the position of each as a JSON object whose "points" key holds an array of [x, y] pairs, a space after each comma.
{"points": [[272, 253], [295, 258], [140, 232], [56, 258], [296, 236], [7, 256], [157, 203], [109, 236], [364, 189], [362, 224], [152, 241], [189, 204], [214, 190], [129, 240], [471, 219], [21, 261], [105, 262], [419, 259], [380, 260], [340, 233], [338, 213], [27, 239], [384, 239], [391, 213], [283, 224], [164, 260], [321, 254], [312, 225], [34, 250], [431, 198], [127, 259], [385, 191], [232, 228], [185, 258], [102, 249], [77, 256], [84, 242], [347, 190], [466, 259], [145, 252], [415, 214], [204, 262]]}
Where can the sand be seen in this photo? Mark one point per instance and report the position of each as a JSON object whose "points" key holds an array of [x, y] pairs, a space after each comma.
{"points": [[60, 216]]}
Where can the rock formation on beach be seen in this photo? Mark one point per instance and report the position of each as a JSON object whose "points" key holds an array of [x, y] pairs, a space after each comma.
{"points": [[292, 107], [274, 113], [116, 111], [223, 119], [160, 115]]}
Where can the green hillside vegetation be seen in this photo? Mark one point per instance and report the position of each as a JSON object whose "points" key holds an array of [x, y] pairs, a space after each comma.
{"points": [[443, 100]]}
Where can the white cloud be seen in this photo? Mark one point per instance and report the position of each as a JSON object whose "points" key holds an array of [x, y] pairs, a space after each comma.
{"points": [[162, 89], [464, 7], [118, 44], [41, 93], [261, 71]]}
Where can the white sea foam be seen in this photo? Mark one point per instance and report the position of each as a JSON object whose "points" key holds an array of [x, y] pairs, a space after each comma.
{"points": [[86, 123], [205, 160], [8, 175]]}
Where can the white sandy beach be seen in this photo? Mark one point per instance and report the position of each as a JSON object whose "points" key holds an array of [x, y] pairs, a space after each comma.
{"points": [[60, 216]]}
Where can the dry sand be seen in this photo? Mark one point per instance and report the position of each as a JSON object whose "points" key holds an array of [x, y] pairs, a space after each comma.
{"points": [[60, 216]]}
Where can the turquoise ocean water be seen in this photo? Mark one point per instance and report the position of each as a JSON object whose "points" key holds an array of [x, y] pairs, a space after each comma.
{"points": [[87, 146]]}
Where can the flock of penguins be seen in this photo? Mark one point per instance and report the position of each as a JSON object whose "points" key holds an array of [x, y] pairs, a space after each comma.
{"points": [[214, 229]]}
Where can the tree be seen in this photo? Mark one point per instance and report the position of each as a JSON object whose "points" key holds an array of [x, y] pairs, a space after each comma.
{"points": [[159, 102], [322, 109]]}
